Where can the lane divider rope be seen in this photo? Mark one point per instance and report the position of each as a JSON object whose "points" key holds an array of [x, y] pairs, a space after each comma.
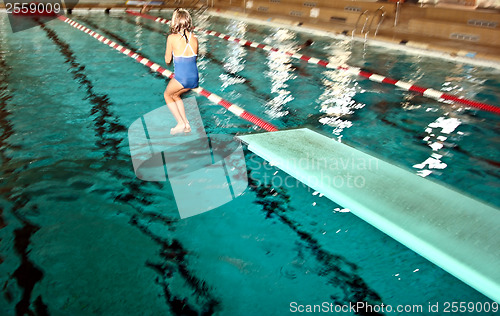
{"points": [[430, 93], [233, 108]]}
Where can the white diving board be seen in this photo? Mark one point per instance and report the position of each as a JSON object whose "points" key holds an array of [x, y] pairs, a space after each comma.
{"points": [[454, 231]]}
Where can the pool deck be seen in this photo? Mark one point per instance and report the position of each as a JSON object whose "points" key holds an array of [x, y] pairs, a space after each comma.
{"points": [[454, 231]]}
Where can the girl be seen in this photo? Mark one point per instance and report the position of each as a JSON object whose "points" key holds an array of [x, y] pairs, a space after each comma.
{"points": [[182, 47]]}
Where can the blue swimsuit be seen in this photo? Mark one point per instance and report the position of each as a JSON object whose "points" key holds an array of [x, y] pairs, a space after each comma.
{"points": [[185, 69]]}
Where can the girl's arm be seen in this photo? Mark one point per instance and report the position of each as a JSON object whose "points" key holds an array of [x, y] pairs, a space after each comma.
{"points": [[168, 51]]}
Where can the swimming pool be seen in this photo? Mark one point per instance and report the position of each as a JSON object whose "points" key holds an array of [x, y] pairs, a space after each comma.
{"points": [[81, 235]]}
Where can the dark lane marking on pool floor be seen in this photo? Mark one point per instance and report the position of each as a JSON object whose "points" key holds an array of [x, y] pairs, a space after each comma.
{"points": [[6, 127], [122, 42], [175, 261], [101, 103], [27, 274], [341, 272], [104, 124]]}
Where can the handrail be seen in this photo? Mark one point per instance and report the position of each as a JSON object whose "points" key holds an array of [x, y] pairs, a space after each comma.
{"points": [[396, 16], [365, 13], [380, 13], [381, 19]]}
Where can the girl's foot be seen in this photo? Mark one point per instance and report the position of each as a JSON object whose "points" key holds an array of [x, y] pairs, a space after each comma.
{"points": [[178, 129], [187, 128]]}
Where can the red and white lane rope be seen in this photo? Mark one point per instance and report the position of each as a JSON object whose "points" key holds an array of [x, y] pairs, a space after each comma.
{"points": [[233, 108], [430, 93]]}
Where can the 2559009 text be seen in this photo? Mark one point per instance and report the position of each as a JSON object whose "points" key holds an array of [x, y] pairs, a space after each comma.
{"points": [[32, 7], [467, 307]]}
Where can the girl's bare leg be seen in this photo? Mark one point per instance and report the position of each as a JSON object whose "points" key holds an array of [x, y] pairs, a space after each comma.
{"points": [[176, 106], [181, 109]]}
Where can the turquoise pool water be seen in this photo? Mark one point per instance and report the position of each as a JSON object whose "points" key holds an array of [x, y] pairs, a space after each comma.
{"points": [[81, 235]]}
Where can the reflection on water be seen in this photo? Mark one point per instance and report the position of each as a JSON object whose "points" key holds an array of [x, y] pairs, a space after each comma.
{"points": [[280, 73], [437, 134], [234, 60], [337, 100], [339, 52], [139, 33]]}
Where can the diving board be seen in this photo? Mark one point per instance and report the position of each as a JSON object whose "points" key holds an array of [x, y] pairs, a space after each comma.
{"points": [[454, 231]]}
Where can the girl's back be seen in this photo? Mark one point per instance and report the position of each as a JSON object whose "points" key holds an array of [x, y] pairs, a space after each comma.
{"points": [[180, 47]]}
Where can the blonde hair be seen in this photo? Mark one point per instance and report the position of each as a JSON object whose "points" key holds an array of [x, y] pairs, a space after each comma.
{"points": [[181, 22]]}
